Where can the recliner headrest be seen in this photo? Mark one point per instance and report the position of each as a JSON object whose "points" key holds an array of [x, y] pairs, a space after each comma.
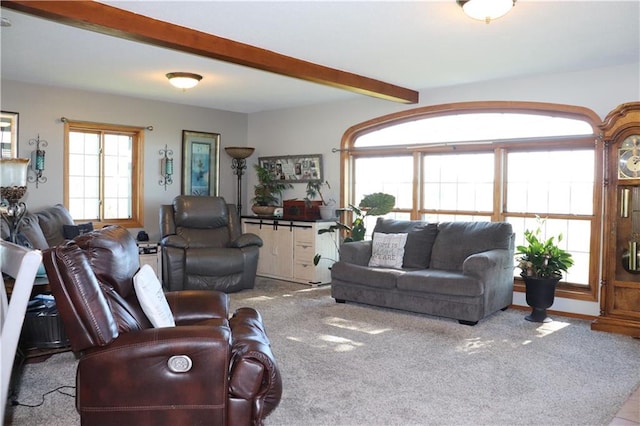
{"points": [[191, 211]]}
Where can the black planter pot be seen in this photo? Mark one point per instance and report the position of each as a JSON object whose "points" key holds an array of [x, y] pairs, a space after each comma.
{"points": [[540, 295]]}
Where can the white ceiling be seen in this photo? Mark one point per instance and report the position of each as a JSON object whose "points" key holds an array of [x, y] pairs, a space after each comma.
{"points": [[417, 45]]}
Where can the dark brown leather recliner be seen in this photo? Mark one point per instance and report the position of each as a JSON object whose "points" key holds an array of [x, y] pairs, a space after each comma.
{"points": [[224, 374], [202, 246]]}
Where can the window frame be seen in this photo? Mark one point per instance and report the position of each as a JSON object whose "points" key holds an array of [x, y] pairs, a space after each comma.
{"points": [[349, 153], [137, 170]]}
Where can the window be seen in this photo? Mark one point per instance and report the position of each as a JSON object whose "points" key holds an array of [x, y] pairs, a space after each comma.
{"points": [[103, 173], [495, 161]]}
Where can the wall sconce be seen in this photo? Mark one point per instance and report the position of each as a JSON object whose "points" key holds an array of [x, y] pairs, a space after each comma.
{"points": [[166, 167], [238, 165], [37, 161], [13, 186]]}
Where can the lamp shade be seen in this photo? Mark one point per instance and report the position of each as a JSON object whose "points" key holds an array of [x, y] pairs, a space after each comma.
{"points": [[239, 152], [183, 80], [13, 172], [486, 10]]}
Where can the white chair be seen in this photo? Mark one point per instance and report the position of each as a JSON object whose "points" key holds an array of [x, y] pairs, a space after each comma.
{"points": [[21, 264]]}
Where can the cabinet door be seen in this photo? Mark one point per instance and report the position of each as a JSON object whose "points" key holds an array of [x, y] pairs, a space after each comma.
{"points": [[276, 254]]}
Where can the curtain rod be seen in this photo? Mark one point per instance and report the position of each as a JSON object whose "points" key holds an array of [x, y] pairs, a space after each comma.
{"points": [[66, 120]]}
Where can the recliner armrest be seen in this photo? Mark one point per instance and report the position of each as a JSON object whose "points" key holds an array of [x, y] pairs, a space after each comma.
{"points": [[174, 240], [356, 252], [245, 240], [254, 372], [194, 306]]}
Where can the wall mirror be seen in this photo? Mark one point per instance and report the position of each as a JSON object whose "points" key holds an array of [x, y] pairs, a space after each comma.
{"points": [[9, 134]]}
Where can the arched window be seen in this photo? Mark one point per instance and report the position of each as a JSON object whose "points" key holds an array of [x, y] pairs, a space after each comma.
{"points": [[488, 161]]}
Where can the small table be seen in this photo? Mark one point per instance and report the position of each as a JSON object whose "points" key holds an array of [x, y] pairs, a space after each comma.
{"points": [[150, 255]]}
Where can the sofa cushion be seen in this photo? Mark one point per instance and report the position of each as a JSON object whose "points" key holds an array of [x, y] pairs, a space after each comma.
{"points": [[30, 228], [365, 275], [214, 261], [396, 226], [387, 250], [51, 221], [420, 239], [417, 251], [71, 231], [458, 240], [440, 282]]}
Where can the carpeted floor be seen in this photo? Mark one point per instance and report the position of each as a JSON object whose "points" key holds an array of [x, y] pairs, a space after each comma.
{"points": [[348, 364]]}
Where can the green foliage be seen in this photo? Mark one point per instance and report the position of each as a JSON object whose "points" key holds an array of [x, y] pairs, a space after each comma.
{"points": [[376, 204], [314, 189], [270, 189], [542, 258]]}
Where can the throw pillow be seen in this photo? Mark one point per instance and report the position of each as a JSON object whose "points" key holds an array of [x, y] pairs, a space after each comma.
{"points": [[71, 231], [152, 299], [417, 251], [387, 250]]}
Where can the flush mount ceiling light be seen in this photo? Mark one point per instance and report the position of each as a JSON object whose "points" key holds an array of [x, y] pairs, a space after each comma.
{"points": [[184, 80], [486, 10]]}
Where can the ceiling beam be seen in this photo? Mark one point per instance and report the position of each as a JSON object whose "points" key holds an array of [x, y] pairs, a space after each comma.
{"points": [[105, 19]]}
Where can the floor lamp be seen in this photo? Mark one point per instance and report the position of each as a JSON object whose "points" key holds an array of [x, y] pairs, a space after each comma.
{"points": [[13, 186], [239, 164]]}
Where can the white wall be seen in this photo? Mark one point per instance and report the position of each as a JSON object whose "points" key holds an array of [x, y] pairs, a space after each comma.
{"points": [[41, 107], [318, 128]]}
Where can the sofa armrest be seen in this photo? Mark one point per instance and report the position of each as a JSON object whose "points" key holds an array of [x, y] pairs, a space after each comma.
{"points": [[356, 252], [194, 306], [487, 264], [244, 240], [135, 366]]}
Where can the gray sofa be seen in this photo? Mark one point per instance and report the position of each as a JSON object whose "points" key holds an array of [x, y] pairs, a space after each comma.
{"points": [[42, 229], [459, 270]]}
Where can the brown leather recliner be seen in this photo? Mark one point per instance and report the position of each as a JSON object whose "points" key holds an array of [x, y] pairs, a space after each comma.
{"points": [[224, 374], [202, 246]]}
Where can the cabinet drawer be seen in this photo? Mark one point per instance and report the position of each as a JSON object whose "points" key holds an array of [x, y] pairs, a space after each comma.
{"points": [[304, 271], [305, 235], [304, 252]]}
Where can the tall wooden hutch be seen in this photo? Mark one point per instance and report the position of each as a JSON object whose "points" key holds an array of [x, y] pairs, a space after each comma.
{"points": [[620, 291]]}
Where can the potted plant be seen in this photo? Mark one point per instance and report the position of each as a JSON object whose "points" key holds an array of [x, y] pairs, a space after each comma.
{"points": [[542, 263], [376, 204], [268, 192], [314, 189]]}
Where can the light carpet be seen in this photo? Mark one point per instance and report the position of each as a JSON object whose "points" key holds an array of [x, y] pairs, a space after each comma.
{"points": [[350, 364]]}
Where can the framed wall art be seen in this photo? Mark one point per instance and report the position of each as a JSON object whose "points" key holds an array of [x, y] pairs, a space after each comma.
{"points": [[8, 134], [200, 163], [294, 168]]}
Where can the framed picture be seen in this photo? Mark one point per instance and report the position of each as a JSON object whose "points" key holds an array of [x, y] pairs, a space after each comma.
{"points": [[8, 134], [200, 163], [294, 168]]}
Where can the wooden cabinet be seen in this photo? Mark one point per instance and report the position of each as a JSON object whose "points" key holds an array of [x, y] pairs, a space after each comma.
{"points": [[620, 291], [289, 247]]}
